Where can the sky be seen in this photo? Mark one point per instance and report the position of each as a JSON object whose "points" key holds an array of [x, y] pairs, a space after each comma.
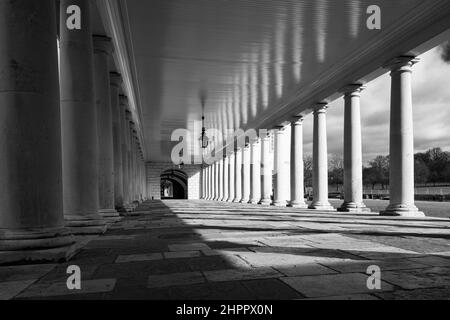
{"points": [[431, 106]]}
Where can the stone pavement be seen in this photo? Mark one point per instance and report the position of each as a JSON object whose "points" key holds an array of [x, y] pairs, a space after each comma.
{"points": [[208, 250]]}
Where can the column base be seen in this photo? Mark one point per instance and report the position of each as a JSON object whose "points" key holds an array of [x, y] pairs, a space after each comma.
{"points": [[279, 203], [402, 211], [230, 200], [237, 200], [253, 202], [89, 225], [353, 207], [37, 246], [265, 202], [109, 213], [322, 206], [244, 201], [297, 205]]}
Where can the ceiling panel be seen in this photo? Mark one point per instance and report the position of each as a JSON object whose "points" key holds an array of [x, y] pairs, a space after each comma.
{"points": [[245, 55]]}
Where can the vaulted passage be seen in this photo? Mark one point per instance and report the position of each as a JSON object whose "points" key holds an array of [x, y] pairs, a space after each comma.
{"points": [[174, 184]]}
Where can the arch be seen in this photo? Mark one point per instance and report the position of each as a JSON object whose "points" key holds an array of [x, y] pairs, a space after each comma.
{"points": [[174, 184]]}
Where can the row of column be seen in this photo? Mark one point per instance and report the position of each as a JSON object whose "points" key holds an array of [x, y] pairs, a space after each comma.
{"points": [[69, 152], [249, 178]]}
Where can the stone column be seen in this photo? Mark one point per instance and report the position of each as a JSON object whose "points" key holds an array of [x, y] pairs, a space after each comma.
{"points": [[238, 176], [246, 174], [320, 161], [214, 180], [219, 176], [255, 193], [211, 182], [123, 101], [202, 187], [353, 177], [231, 176], [225, 170], [116, 82], [31, 214], [402, 141], [102, 51], [282, 167], [297, 166], [266, 166], [79, 125]]}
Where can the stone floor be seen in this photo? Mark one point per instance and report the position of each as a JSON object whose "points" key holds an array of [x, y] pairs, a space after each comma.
{"points": [[206, 250]]}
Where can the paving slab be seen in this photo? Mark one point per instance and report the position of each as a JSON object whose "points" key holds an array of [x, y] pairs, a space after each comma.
{"points": [[332, 285], [60, 289], [175, 279]]}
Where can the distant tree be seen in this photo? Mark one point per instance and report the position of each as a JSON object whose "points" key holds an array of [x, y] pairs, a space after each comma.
{"points": [[308, 170], [370, 177], [380, 166], [336, 171], [421, 171], [437, 162]]}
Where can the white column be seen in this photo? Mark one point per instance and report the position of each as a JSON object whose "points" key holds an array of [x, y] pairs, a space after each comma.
{"points": [[282, 167], [297, 167], [402, 141], [238, 176], [353, 177], [255, 194], [211, 182], [246, 174], [266, 165], [219, 180], [203, 197], [214, 181], [231, 176], [320, 161], [31, 214], [225, 170], [207, 182]]}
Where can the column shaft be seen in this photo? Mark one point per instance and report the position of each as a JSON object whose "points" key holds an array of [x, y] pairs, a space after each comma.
{"points": [[266, 165], [255, 193], [297, 167], [79, 125], [231, 176], [320, 161], [282, 167], [31, 214], [102, 52], [116, 82], [353, 178], [238, 176], [225, 170], [402, 141], [246, 175]]}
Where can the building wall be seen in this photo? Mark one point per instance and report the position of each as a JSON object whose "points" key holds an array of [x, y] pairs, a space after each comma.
{"points": [[155, 169]]}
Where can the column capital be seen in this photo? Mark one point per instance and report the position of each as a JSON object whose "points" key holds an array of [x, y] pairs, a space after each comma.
{"points": [[353, 89], [297, 120], [102, 44], [115, 79], [320, 107], [401, 63]]}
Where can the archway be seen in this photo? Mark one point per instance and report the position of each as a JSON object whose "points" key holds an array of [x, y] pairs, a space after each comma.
{"points": [[174, 185]]}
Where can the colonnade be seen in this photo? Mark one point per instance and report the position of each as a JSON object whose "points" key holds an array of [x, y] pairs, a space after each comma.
{"points": [[70, 156], [251, 178]]}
